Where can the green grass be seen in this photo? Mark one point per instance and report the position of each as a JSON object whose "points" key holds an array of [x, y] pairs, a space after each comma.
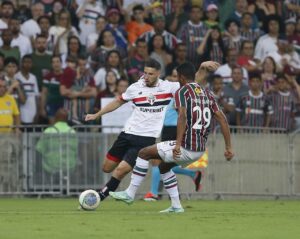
{"points": [[59, 218]]}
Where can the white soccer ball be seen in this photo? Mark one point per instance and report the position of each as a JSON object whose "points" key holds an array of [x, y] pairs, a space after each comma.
{"points": [[89, 200]]}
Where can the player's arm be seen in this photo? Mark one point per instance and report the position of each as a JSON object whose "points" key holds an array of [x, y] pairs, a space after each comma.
{"points": [[205, 67], [220, 117], [115, 104]]}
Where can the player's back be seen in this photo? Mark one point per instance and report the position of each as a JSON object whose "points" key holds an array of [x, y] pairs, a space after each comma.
{"points": [[200, 106]]}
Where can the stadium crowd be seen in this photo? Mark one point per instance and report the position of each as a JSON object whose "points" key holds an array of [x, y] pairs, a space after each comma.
{"points": [[72, 53]]}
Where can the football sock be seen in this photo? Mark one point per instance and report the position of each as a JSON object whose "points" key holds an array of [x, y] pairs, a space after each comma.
{"points": [[170, 183], [155, 179], [184, 171], [111, 185], [138, 174]]}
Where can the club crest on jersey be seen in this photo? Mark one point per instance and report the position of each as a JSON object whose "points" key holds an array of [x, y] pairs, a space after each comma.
{"points": [[151, 99], [198, 91]]}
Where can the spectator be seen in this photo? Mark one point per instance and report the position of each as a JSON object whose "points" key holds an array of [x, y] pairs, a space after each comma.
{"points": [[105, 43], [58, 146], [2, 57], [9, 112], [74, 49], [233, 92], [286, 58], [246, 30], [180, 55], [291, 9], [14, 87], [261, 9], [266, 44], [177, 17], [159, 25], [51, 100], [55, 10], [212, 47], [283, 104], [44, 24], [19, 40], [241, 6], [211, 15], [192, 34], [135, 64], [122, 86], [31, 28], [6, 48], [93, 37], [291, 33], [246, 59], [113, 16], [137, 27], [254, 108], [114, 63], [41, 61], [110, 91], [77, 86], [159, 52], [7, 10], [29, 112], [60, 33], [226, 69], [88, 12], [268, 75], [232, 35]]}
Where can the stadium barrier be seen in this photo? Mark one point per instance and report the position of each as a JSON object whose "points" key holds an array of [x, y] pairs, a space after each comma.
{"points": [[266, 163]]}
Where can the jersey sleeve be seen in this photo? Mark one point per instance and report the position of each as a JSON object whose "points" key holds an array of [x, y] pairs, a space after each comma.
{"points": [[129, 94], [180, 100], [174, 87]]}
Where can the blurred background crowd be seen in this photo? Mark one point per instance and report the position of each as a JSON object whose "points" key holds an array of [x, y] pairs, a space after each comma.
{"points": [[72, 53]]}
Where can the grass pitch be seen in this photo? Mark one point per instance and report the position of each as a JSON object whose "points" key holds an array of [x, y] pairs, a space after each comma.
{"points": [[60, 219]]}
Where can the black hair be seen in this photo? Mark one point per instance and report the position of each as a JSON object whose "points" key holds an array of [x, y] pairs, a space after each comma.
{"points": [[9, 60], [101, 36], [7, 3], [43, 17], [272, 17], [153, 64], [151, 46], [187, 70], [255, 75], [229, 21], [143, 40], [138, 7], [28, 56], [56, 56], [78, 41]]}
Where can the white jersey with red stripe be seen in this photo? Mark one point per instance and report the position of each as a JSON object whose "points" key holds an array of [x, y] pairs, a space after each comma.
{"points": [[150, 104]]}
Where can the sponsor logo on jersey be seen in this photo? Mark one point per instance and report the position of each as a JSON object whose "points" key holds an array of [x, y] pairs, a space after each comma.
{"points": [[198, 91]]}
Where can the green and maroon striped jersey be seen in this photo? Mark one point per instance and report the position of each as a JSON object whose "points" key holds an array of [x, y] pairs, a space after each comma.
{"points": [[254, 109], [200, 106], [284, 105]]}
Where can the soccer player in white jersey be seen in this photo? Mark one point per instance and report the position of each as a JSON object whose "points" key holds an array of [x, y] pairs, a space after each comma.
{"points": [[150, 96], [196, 106]]}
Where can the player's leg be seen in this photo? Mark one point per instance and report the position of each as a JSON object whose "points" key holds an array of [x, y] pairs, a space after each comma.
{"points": [[138, 174], [112, 160], [152, 195], [195, 175]]}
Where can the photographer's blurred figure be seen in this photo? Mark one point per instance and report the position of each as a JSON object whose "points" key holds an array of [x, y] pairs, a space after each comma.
{"points": [[58, 146]]}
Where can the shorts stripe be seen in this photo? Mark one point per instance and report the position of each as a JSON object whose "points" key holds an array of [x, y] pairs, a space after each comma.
{"points": [[113, 158]]}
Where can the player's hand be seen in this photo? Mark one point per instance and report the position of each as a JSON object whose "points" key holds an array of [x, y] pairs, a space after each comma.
{"points": [[210, 65], [228, 154], [89, 117], [176, 152]]}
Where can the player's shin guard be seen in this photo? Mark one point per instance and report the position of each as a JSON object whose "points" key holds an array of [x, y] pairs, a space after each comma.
{"points": [[170, 183], [111, 185], [138, 174]]}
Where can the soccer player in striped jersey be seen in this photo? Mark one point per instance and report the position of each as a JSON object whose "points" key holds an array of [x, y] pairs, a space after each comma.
{"points": [[254, 108], [196, 107], [283, 105]]}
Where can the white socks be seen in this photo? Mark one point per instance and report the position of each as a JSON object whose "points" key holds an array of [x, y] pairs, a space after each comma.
{"points": [[138, 174], [170, 183]]}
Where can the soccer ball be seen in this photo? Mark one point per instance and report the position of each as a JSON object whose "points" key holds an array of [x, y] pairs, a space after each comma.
{"points": [[89, 200]]}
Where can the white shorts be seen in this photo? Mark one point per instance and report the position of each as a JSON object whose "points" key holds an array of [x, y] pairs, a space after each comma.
{"points": [[165, 151]]}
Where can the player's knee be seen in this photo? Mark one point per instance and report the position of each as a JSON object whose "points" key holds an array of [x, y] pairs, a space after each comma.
{"points": [[107, 168], [144, 153]]}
